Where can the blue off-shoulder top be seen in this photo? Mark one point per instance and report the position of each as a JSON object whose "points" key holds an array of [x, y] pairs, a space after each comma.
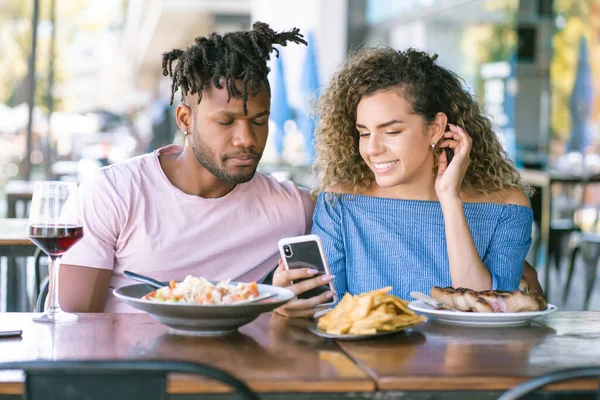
{"points": [[373, 242]]}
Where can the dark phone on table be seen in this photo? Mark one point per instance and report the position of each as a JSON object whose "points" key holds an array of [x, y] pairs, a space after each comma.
{"points": [[7, 334]]}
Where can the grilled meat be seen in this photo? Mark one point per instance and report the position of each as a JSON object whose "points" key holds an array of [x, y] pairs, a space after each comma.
{"points": [[489, 300]]}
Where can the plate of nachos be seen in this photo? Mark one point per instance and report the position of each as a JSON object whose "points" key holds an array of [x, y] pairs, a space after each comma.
{"points": [[367, 315]]}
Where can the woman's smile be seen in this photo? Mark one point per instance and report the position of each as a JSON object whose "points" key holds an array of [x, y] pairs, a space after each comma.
{"points": [[382, 168]]}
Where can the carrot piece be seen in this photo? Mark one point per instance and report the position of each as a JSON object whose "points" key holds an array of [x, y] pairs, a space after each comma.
{"points": [[253, 289], [150, 295]]}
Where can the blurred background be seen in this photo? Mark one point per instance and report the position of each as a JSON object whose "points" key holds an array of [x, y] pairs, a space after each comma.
{"points": [[81, 87], [100, 96]]}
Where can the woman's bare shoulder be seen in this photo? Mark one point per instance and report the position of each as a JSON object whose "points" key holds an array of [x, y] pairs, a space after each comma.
{"points": [[339, 189], [514, 196]]}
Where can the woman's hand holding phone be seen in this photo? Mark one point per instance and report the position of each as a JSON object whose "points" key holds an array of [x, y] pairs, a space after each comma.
{"points": [[307, 281]]}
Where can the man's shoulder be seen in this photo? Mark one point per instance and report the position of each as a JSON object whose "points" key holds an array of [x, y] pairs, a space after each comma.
{"points": [[262, 181], [133, 163], [284, 196], [128, 169], [121, 177], [268, 187]]}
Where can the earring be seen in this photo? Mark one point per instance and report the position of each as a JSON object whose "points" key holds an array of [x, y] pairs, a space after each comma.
{"points": [[185, 135], [432, 146]]}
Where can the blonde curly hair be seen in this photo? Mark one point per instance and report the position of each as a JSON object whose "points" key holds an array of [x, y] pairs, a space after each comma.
{"points": [[429, 89]]}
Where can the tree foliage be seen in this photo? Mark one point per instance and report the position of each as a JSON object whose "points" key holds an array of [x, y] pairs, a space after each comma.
{"points": [[577, 18], [15, 42]]}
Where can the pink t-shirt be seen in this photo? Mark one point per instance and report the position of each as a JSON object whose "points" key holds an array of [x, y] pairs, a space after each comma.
{"points": [[136, 220]]}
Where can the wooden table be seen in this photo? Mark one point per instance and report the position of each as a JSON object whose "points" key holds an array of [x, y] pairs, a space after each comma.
{"points": [[18, 191], [13, 234], [275, 355], [437, 357], [14, 242]]}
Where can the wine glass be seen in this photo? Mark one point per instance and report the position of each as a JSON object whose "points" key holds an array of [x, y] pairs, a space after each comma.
{"points": [[55, 224]]}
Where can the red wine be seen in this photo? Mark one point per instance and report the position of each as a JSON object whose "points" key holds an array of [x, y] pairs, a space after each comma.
{"points": [[54, 240]]}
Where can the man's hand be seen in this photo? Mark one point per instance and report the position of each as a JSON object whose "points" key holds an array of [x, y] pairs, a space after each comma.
{"points": [[302, 307]]}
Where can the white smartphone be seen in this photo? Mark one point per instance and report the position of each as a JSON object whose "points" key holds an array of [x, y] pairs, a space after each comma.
{"points": [[307, 252]]}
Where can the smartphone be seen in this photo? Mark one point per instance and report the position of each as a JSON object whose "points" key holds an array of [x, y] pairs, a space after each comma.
{"points": [[7, 334], [307, 252], [449, 154]]}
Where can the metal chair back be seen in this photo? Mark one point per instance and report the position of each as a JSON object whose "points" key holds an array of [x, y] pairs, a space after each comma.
{"points": [[113, 379], [530, 386]]}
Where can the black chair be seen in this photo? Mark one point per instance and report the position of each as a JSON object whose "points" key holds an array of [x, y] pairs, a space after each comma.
{"points": [[562, 226], [554, 377], [587, 243], [41, 300], [113, 379]]}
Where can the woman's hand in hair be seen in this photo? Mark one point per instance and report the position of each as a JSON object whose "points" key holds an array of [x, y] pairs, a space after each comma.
{"points": [[451, 174]]}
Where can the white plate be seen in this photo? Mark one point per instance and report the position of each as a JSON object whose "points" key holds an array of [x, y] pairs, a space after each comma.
{"points": [[478, 319], [318, 332]]}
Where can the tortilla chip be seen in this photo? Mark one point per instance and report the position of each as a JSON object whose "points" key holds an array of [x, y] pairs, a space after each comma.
{"points": [[374, 293], [332, 318], [362, 331], [402, 305], [340, 328], [362, 308]]}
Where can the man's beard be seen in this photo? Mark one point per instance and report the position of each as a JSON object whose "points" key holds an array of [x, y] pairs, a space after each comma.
{"points": [[207, 159]]}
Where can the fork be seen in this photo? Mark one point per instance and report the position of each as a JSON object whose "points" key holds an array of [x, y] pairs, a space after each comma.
{"points": [[430, 301]]}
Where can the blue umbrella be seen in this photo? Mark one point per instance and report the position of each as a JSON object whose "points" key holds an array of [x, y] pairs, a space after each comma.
{"points": [[510, 140], [310, 91], [509, 93], [280, 109], [580, 103]]}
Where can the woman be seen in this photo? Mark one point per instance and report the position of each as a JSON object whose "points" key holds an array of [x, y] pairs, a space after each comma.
{"points": [[415, 188]]}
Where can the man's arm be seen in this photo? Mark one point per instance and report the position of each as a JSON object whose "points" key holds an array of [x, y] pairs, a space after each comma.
{"points": [[308, 201], [83, 289], [86, 269]]}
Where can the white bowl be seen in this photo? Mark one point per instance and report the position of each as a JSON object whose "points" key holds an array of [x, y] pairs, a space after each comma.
{"points": [[200, 319]]}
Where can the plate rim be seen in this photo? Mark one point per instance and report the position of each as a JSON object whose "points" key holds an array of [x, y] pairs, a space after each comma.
{"points": [[316, 331], [484, 324], [417, 305], [124, 297]]}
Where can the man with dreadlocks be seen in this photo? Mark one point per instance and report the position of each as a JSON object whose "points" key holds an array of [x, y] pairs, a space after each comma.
{"points": [[200, 209]]}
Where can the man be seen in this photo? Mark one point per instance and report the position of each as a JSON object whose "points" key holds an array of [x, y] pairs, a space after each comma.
{"points": [[200, 209]]}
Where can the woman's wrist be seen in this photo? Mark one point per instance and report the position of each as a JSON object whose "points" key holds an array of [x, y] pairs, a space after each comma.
{"points": [[451, 203]]}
